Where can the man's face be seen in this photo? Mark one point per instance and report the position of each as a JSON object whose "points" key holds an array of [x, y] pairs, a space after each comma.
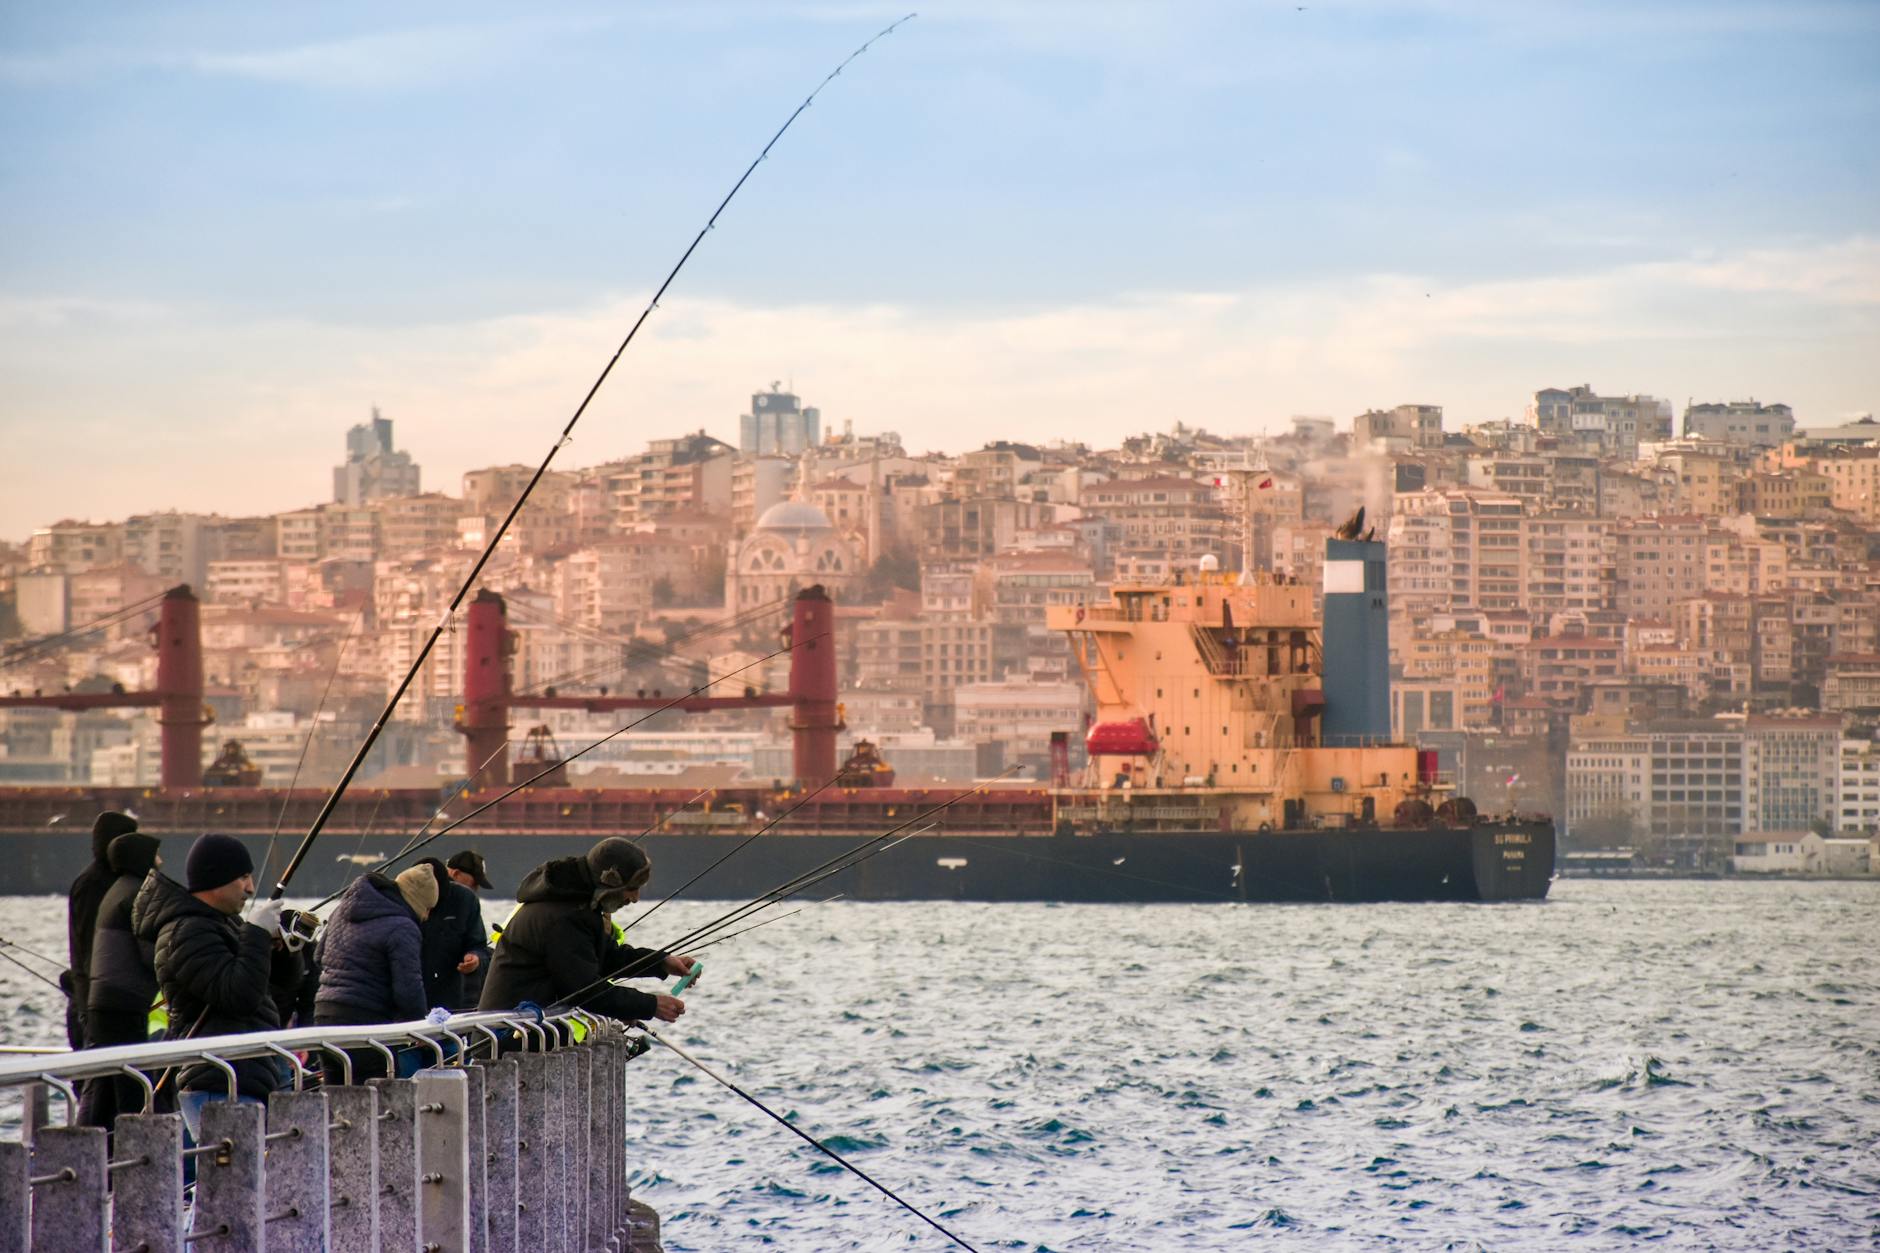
{"points": [[230, 897], [462, 880]]}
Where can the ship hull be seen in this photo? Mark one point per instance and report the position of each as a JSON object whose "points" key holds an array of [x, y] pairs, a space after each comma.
{"points": [[1490, 861]]}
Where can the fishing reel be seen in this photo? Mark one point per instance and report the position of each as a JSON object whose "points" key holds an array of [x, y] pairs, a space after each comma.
{"points": [[299, 928]]}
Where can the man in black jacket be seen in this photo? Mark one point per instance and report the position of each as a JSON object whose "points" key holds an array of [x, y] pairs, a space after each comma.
{"points": [[213, 967], [559, 947], [467, 870], [122, 978], [455, 943], [81, 916]]}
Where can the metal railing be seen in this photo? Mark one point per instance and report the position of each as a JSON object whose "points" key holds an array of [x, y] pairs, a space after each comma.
{"points": [[522, 1148]]}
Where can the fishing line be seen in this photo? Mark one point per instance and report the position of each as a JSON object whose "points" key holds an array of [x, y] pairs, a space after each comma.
{"points": [[808, 1139], [55, 962], [1105, 870], [267, 858], [702, 792], [567, 433], [44, 978]]}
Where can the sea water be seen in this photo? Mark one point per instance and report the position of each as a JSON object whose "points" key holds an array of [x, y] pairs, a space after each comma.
{"points": [[1695, 1064]]}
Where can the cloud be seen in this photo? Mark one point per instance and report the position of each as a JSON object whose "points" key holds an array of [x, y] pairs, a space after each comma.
{"points": [[198, 413], [378, 61]]}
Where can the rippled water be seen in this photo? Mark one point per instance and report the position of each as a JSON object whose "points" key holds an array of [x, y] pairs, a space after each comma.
{"points": [[1692, 1063]]}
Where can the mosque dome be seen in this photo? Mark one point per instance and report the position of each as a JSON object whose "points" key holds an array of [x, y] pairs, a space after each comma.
{"points": [[793, 515]]}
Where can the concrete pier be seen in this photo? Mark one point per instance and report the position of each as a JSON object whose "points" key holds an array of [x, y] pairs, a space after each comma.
{"points": [[475, 1153]]}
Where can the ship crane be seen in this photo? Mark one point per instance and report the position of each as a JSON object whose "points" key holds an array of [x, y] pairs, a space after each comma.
{"points": [[177, 696], [488, 695]]}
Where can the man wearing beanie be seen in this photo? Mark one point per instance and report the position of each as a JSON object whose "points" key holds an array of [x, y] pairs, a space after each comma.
{"points": [[559, 947], [212, 966], [81, 915]]}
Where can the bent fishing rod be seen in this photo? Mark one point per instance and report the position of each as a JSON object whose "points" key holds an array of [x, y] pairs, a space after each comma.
{"points": [[561, 441], [579, 753], [807, 1138]]}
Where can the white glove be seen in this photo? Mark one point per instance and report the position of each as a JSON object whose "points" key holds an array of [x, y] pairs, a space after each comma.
{"points": [[267, 916]]}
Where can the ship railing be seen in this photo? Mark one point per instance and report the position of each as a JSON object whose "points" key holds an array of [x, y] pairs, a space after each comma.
{"points": [[511, 1150]]}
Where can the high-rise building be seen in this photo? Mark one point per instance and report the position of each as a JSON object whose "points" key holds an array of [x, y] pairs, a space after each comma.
{"points": [[373, 469], [778, 423]]}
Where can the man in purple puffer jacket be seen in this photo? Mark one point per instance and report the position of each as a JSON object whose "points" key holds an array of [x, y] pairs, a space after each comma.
{"points": [[371, 964]]}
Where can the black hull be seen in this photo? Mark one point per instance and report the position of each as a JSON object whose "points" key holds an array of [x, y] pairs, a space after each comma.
{"points": [[1504, 861]]}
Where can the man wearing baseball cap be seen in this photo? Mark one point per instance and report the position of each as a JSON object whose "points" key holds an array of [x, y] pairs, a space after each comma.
{"points": [[457, 947], [467, 868]]}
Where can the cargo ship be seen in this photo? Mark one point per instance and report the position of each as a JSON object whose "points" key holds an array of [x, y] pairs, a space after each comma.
{"points": [[1240, 751]]}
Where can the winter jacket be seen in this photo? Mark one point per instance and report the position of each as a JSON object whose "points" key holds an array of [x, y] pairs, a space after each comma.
{"points": [[454, 928], [557, 947], [370, 955], [81, 914], [123, 967], [214, 971]]}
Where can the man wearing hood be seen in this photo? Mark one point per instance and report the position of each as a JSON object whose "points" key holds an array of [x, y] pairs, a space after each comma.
{"points": [[370, 959], [81, 916], [213, 968], [122, 978], [559, 947]]}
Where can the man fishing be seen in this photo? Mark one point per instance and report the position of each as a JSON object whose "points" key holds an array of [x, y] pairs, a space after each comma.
{"points": [[81, 917], [214, 967], [560, 944]]}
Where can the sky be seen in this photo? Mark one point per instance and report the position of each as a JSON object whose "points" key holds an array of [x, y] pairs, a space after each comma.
{"points": [[227, 231]]}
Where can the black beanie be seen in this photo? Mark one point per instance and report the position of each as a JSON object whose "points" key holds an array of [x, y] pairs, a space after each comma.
{"points": [[107, 827], [215, 860]]}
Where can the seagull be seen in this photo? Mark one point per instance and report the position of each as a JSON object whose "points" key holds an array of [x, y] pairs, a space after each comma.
{"points": [[1119, 861], [55, 820]]}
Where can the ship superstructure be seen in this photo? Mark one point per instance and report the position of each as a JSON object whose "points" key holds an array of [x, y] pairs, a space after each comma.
{"points": [[1211, 705]]}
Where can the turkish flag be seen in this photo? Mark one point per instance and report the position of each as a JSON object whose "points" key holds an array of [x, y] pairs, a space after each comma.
{"points": [[1266, 482]]}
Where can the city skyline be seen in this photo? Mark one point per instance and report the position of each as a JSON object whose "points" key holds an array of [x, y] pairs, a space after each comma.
{"points": [[232, 234]]}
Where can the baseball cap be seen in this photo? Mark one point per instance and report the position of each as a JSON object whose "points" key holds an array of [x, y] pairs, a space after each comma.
{"points": [[471, 864]]}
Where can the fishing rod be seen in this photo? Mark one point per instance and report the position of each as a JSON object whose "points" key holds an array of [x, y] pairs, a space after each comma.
{"points": [[847, 860], [488, 805], [808, 1139], [696, 796], [778, 896], [561, 441], [783, 891], [698, 948], [737, 848], [339, 657]]}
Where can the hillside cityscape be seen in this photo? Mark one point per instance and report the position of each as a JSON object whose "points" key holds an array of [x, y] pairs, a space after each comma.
{"points": [[1663, 630]]}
